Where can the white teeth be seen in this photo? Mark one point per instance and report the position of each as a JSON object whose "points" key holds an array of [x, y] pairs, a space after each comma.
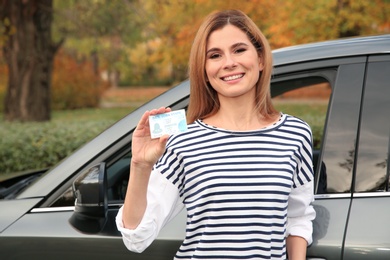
{"points": [[233, 77]]}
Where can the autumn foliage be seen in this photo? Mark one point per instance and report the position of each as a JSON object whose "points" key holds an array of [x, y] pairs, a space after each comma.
{"points": [[74, 83], [148, 42], [172, 24]]}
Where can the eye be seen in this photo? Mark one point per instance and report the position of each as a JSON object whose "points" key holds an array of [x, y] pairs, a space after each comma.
{"points": [[240, 50], [214, 56]]}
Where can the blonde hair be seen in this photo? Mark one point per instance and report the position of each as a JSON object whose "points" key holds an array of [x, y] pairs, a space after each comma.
{"points": [[203, 98]]}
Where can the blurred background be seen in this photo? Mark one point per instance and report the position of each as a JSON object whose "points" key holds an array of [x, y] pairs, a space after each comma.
{"points": [[69, 69]]}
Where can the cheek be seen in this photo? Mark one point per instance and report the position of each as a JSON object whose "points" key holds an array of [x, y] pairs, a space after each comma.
{"points": [[211, 71]]}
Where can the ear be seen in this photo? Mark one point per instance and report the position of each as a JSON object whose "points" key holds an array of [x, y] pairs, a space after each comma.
{"points": [[261, 63]]}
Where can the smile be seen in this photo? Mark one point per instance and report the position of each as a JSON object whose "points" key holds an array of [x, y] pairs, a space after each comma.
{"points": [[233, 77]]}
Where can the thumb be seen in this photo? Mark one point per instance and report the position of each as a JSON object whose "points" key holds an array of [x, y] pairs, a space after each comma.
{"points": [[162, 142]]}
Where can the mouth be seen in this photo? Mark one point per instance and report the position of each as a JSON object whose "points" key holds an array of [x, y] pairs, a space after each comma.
{"points": [[233, 77]]}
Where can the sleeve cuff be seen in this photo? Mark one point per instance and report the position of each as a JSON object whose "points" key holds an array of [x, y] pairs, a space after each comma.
{"points": [[158, 212], [300, 212], [302, 227], [138, 239]]}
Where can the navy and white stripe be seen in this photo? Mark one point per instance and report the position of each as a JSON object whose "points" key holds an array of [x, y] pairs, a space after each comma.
{"points": [[235, 187]]}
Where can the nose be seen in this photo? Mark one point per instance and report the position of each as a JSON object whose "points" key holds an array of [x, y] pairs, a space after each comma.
{"points": [[230, 62]]}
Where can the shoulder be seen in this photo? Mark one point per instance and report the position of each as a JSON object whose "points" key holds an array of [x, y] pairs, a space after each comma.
{"points": [[295, 122], [298, 127]]}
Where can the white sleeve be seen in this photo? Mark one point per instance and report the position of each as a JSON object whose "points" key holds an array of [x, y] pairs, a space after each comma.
{"points": [[164, 204], [300, 212]]}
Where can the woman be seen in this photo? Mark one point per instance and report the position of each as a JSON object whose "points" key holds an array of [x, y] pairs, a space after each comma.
{"points": [[243, 171]]}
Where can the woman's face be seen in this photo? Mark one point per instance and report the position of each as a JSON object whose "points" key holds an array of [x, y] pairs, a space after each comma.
{"points": [[232, 63]]}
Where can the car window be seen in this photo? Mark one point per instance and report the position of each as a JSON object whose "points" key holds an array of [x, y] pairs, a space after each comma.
{"points": [[309, 103], [306, 95], [340, 134], [372, 173], [117, 177], [66, 199], [118, 169]]}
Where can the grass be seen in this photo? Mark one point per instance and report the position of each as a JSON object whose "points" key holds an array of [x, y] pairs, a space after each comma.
{"points": [[92, 114], [313, 112]]}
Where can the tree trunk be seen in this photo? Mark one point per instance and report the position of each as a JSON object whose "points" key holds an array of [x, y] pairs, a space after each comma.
{"points": [[29, 53]]}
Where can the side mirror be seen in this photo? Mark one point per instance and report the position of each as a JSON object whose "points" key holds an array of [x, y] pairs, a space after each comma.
{"points": [[90, 191]]}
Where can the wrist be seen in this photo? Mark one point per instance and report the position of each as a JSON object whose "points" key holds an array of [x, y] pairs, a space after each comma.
{"points": [[142, 166]]}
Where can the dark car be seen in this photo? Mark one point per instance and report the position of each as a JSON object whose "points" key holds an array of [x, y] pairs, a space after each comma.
{"points": [[351, 128]]}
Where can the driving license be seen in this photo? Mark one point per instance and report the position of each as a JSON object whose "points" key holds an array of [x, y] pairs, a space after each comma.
{"points": [[168, 123]]}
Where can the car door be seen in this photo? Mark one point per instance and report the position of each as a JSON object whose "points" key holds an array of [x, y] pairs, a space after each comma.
{"points": [[368, 232], [335, 163], [334, 143]]}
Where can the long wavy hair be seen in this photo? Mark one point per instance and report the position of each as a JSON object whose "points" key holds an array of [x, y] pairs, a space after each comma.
{"points": [[203, 98]]}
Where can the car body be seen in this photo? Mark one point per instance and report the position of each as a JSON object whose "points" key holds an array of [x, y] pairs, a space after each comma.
{"points": [[351, 167]]}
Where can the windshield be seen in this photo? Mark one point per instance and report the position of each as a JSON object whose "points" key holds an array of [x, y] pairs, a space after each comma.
{"points": [[12, 186]]}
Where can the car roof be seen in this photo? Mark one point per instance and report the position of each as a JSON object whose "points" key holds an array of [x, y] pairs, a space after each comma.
{"points": [[332, 49]]}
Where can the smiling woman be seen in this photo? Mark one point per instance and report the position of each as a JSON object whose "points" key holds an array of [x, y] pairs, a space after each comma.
{"points": [[204, 100], [233, 65], [242, 170]]}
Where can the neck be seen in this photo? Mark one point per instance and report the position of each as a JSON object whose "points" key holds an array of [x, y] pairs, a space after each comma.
{"points": [[238, 116]]}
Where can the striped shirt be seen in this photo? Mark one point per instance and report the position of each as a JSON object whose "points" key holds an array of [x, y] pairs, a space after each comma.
{"points": [[237, 187]]}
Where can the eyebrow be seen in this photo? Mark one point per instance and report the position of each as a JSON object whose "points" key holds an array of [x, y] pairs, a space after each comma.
{"points": [[232, 47]]}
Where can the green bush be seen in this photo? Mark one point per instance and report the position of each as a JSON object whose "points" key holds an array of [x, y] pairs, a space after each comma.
{"points": [[28, 146]]}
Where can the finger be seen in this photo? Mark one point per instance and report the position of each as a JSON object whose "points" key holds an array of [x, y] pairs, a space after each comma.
{"points": [[160, 110], [162, 143], [164, 138], [144, 120]]}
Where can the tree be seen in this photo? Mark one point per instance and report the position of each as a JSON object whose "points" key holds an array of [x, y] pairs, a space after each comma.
{"points": [[303, 21], [29, 52]]}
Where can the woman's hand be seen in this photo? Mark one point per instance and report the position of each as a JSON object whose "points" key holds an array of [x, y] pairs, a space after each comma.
{"points": [[145, 150]]}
